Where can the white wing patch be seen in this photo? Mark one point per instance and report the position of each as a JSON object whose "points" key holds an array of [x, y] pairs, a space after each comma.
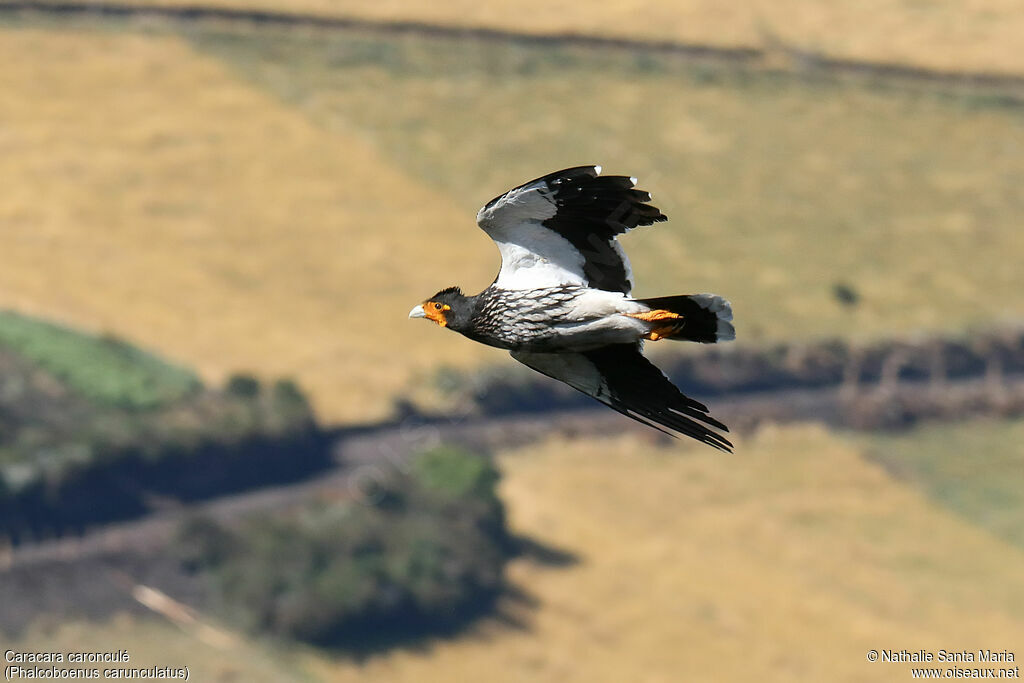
{"points": [[528, 203], [561, 229], [532, 256], [524, 267]]}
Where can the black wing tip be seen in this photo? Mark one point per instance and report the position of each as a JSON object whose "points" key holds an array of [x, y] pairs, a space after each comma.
{"points": [[609, 201], [592, 170], [696, 432], [719, 443], [552, 180], [685, 426], [567, 175], [725, 447], [639, 390], [636, 389], [585, 184]]}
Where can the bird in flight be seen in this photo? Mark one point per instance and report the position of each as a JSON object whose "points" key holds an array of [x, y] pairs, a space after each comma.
{"points": [[561, 302]]}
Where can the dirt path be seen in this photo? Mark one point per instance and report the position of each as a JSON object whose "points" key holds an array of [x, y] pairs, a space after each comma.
{"points": [[100, 573], [362, 452]]}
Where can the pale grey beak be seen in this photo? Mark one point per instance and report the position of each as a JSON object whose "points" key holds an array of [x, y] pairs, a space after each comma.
{"points": [[418, 312]]}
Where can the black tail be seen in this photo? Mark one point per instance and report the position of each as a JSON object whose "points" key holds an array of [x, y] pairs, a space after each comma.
{"points": [[704, 318]]}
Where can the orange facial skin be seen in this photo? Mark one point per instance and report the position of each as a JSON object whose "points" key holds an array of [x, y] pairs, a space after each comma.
{"points": [[670, 323], [436, 311]]}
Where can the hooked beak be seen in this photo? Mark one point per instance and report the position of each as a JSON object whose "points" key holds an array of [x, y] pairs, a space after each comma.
{"points": [[418, 312]]}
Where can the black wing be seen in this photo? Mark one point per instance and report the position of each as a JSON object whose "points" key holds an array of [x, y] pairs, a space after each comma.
{"points": [[621, 377], [584, 208]]}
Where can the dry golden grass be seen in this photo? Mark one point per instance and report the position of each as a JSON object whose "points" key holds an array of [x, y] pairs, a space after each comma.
{"points": [[978, 35], [282, 215], [286, 221], [787, 561], [776, 188], [151, 642], [149, 193]]}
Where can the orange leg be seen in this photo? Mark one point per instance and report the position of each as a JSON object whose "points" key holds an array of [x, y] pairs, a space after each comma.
{"points": [[659, 316], [659, 333]]}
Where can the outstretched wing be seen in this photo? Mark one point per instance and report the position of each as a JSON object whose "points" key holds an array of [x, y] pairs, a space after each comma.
{"points": [[619, 376], [560, 229]]}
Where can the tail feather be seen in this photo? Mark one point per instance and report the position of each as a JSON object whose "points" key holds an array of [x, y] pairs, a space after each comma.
{"points": [[690, 317]]}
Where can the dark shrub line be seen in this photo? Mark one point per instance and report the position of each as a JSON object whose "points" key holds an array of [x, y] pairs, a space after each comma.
{"points": [[716, 371]]}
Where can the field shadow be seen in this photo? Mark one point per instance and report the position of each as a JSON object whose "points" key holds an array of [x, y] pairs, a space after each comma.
{"points": [[507, 608], [543, 554], [97, 588]]}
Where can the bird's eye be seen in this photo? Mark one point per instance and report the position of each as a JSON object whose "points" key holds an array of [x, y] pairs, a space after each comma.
{"points": [[437, 306]]}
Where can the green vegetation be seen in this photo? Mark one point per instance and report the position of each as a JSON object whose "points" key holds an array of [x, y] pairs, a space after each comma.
{"points": [[974, 468], [449, 473], [99, 368], [422, 551], [243, 386], [90, 427]]}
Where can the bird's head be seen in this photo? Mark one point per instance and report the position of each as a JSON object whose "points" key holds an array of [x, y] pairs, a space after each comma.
{"points": [[448, 308]]}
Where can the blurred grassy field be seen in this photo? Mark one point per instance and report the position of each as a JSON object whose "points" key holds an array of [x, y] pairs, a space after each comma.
{"points": [[974, 469], [788, 561], [150, 194], [105, 370], [217, 657], [978, 35], [279, 200], [776, 187], [789, 564]]}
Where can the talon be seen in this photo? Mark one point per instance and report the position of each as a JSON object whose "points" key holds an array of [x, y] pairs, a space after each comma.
{"points": [[661, 333]]}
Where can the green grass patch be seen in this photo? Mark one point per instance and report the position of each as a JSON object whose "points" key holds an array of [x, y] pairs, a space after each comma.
{"points": [[973, 468], [453, 473], [102, 369], [91, 427]]}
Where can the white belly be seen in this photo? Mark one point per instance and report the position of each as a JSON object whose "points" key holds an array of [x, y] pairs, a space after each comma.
{"points": [[597, 318], [613, 329]]}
